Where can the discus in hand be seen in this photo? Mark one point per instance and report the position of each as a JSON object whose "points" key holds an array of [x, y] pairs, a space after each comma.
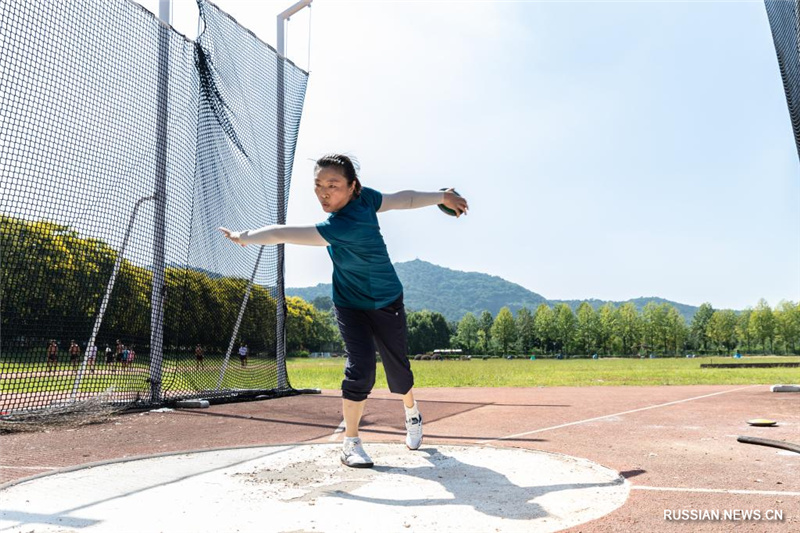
{"points": [[446, 210]]}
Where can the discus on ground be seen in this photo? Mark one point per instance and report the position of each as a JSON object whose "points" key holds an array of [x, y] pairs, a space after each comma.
{"points": [[762, 422]]}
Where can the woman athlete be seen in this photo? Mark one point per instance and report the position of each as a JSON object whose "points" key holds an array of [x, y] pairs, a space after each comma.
{"points": [[367, 293]]}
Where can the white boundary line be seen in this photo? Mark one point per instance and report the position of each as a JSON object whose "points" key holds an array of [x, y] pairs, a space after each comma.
{"points": [[335, 435], [30, 467], [615, 414], [719, 491]]}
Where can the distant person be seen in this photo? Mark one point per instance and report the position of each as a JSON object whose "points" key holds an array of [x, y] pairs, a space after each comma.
{"points": [[125, 353], [52, 355], [243, 355], [74, 354], [367, 294], [117, 355], [131, 355], [109, 355], [91, 356], [199, 355]]}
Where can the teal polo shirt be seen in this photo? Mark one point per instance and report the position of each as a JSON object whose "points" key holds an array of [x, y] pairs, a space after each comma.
{"points": [[363, 275]]}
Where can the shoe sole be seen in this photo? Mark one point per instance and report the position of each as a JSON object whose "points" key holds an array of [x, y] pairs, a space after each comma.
{"points": [[358, 465], [417, 448]]}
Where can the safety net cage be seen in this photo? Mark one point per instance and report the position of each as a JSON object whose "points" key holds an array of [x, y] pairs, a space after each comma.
{"points": [[123, 147], [784, 20]]}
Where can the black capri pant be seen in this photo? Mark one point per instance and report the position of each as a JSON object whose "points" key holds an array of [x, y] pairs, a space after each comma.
{"points": [[362, 330]]}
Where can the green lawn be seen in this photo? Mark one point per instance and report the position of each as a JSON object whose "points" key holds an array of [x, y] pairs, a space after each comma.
{"points": [[327, 373], [178, 376]]}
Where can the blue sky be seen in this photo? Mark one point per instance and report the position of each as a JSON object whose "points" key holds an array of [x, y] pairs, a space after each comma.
{"points": [[609, 150]]}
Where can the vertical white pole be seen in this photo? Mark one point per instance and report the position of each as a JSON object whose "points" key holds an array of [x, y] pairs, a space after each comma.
{"points": [[283, 18], [165, 11], [160, 196], [281, 35], [283, 378], [281, 312]]}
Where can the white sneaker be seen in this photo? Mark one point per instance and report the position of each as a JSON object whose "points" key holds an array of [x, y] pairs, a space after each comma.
{"points": [[353, 454], [414, 432]]}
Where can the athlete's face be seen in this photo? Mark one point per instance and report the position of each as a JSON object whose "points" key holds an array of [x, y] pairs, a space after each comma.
{"points": [[332, 190]]}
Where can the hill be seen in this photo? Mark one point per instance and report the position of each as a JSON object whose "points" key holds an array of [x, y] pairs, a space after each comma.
{"points": [[454, 293]]}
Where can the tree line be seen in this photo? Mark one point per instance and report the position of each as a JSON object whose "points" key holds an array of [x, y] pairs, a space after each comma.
{"points": [[53, 282], [626, 330], [658, 328]]}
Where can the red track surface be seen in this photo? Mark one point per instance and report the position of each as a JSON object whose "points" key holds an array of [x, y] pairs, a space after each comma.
{"points": [[674, 444]]}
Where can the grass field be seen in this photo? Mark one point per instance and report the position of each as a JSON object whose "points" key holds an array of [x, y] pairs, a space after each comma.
{"points": [[327, 373], [178, 376]]}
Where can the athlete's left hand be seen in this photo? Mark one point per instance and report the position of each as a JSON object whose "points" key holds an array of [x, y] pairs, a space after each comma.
{"points": [[235, 236]]}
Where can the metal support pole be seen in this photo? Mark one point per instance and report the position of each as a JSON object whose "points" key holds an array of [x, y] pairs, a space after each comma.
{"points": [[165, 11], [281, 312], [283, 18], [104, 304], [160, 195]]}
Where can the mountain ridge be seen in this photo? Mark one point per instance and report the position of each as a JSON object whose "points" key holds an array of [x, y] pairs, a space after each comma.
{"points": [[453, 293]]}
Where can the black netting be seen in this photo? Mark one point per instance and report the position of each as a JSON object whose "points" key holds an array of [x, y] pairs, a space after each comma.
{"points": [[784, 19], [123, 146]]}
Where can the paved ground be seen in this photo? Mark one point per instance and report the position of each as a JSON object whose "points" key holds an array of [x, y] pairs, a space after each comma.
{"points": [[676, 446], [302, 487]]}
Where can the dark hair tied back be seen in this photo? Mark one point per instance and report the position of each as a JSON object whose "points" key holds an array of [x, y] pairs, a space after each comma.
{"points": [[348, 166]]}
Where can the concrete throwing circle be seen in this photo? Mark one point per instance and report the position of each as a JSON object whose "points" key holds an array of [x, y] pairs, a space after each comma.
{"points": [[305, 488]]}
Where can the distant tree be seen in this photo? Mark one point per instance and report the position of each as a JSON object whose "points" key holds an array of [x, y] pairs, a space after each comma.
{"points": [[257, 329], [215, 304], [526, 330], [442, 329], [677, 330], [544, 324], [762, 324], [482, 346], [467, 333], [427, 331], [787, 320], [656, 328], [606, 324], [452, 327], [565, 324], [587, 328], [699, 325], [721, 329], [325, 335], [323, 303], [743, 328], [628, 327], [486, 321], [504, 329], [299, 323], [308, 328]]}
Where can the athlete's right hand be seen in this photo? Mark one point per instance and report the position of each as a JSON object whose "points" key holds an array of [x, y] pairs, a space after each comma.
{"points": [[455, 202], [235, 236]]}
